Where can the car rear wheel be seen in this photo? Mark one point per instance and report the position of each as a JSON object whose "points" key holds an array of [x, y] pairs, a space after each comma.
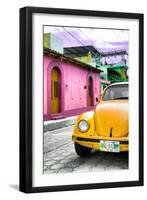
{"points": [[81, 150]]}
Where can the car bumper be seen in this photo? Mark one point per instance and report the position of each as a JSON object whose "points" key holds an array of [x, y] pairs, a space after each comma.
{"points": [[94, 142]]}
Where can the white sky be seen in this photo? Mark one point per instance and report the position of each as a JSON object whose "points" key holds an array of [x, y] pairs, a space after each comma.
{"points": [[102, 39]]}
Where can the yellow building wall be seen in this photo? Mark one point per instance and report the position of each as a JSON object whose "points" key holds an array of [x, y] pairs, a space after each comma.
{"points": [[83, 59]]}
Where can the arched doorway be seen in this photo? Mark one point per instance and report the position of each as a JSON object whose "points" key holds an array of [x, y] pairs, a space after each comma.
{"points": [[55, 90], [90, 92]]}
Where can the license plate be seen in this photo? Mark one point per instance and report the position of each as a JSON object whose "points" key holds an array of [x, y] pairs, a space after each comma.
{"points": [[109, 146]]}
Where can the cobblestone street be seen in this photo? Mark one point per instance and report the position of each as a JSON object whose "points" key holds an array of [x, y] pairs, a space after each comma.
{"points": [[60, 156]]}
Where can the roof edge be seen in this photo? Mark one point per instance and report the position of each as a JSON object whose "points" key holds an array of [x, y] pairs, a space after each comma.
{"points": [[71, 60]]}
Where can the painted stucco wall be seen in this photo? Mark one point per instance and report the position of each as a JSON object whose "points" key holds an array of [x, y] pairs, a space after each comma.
{"points": [[82, 59], [46, 64], [104, 74], [93, 61], [75, 78]]}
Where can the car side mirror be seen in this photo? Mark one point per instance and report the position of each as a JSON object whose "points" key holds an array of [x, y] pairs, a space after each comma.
{"points": [[97, 100]]}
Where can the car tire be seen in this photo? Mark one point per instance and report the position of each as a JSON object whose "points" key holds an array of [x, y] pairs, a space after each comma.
{"points": [[81, 150]]}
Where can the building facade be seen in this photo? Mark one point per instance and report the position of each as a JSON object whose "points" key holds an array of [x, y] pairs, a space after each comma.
{"points": [[113, 74], [70, 86], [86, 54]]}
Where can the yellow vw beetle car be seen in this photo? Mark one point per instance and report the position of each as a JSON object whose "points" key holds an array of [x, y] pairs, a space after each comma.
{"points": [[105, 128]]}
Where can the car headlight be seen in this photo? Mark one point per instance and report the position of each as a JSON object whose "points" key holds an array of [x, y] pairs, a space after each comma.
{"points": [[83, 125]]}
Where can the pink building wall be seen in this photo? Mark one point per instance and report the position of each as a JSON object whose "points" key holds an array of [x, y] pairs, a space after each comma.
{"points": [[74, 78]]}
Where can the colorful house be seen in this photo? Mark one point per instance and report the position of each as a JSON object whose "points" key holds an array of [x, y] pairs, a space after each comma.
{"points": [[53, 42], [116, 70], [70, 86], [104, 84], [113, 74], [87, 54], [117, 73]]}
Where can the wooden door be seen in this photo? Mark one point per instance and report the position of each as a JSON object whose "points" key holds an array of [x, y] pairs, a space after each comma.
{"points": [[55, 91], [90, 91]]}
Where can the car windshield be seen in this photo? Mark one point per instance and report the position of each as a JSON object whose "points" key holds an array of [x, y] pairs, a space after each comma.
{"points": [[116, 92]]}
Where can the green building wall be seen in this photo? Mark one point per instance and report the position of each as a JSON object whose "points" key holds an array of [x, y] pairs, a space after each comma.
{"points": [[94, 60], [114, 73]]}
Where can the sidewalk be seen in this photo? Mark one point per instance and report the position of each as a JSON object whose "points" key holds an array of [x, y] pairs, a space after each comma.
{"points": [[60, 123]]}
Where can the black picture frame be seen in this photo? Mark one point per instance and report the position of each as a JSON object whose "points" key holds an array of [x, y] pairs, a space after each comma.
{"points": [[26, 92]]}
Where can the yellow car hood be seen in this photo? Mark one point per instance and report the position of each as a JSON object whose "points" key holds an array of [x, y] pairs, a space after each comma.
{"points": [[111, 118]]}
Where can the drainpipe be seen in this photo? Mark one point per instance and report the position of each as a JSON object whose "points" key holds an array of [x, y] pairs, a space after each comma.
{"points": [[123, 73], [89, 57]]}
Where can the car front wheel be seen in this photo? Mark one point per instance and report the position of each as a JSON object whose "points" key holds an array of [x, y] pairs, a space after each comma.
{"points": [[81, 150]]}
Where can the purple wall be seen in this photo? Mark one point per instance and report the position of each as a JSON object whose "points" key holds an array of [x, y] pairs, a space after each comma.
{"points": [[73, 98]]}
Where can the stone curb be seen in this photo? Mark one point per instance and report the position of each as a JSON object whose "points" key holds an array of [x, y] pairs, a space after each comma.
{"points": [[57, 124]]}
